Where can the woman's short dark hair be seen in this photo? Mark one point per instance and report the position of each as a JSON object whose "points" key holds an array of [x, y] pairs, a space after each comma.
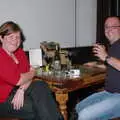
{"points": [[10, 27]]}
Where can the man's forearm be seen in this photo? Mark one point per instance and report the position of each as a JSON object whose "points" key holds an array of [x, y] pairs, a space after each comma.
{"points": [[115, 63]]}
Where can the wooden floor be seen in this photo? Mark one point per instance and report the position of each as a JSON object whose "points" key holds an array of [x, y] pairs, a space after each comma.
{"points": [[116, 119], [9, 119]]}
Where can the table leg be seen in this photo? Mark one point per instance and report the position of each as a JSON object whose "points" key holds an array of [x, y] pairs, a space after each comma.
{"points": [[62, 99]]}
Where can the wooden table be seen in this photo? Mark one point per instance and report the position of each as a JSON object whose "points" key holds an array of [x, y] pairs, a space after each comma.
{"points": [[62, 86]]}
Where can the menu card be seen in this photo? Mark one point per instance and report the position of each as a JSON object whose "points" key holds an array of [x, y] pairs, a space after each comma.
{"points": [[35, 57]]}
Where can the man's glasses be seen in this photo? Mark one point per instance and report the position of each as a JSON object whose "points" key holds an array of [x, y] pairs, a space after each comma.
{"points": [[111, 27]]}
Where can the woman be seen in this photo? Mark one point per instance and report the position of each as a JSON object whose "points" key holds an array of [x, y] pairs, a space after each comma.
{"points": [[19, 96]]}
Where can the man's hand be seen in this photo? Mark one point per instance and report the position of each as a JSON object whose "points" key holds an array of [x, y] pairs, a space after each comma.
{"points": [[18, 99], [100, 51]]}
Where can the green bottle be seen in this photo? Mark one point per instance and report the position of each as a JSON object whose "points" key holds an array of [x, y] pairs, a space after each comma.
{"points": [[57, 60]]}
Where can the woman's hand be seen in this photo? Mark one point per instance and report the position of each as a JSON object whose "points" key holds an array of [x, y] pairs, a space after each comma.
{"points": [[18, 99], [100, 51]]}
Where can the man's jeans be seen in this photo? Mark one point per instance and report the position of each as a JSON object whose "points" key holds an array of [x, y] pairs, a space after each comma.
{"points": [[99, 106]]}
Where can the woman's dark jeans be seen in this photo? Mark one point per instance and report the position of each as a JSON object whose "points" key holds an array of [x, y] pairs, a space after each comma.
{"points": [[39, 104]]}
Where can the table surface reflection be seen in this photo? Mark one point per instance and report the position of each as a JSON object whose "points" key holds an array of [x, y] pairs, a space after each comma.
{"points": [[63, 85], [87, 77]]}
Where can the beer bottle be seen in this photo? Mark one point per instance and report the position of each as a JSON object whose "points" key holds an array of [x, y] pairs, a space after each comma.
{"points": [[57, 60]]}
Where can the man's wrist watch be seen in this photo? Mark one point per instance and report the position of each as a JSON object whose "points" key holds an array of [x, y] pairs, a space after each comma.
{"points": [[106, 59]]}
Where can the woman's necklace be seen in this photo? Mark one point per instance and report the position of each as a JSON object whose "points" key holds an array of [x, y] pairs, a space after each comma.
{"points": [[14, 58]]}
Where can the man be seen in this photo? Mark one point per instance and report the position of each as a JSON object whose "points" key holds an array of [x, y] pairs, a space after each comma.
{"points": [[106, 104]]}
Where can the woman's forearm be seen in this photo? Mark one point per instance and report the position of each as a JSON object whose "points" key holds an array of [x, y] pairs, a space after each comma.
{"points": [[25, 77], [25, 86]]}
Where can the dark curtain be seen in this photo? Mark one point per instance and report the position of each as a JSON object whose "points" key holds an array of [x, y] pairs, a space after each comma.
{"points": [[105, 8]]}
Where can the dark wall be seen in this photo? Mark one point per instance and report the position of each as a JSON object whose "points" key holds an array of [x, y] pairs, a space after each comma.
{"points": [[80, 55]]}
